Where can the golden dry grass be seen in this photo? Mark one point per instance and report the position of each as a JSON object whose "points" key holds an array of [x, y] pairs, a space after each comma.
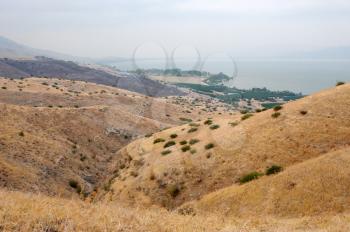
{"points": [[319, 186], [26, 212]]}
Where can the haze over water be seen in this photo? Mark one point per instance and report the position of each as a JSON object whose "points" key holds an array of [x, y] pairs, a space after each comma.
{"points": [[306, 76]]}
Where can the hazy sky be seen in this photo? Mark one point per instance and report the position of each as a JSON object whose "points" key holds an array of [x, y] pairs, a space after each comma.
{"points": [[99, 28]]}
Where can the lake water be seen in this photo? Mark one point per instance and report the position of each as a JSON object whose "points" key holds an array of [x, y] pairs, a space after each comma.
{"points": [[306, 76]]}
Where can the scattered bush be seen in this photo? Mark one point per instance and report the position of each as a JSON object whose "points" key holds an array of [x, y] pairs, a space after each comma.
{"points": [[249, 177], [4, 87], [169, 144], [174, 190], [258, 110], [303, 112], [209, 146], [173, 136], [158, 140], [276, 115], [246, 116], [277, 108], [74, 184], [185, 119], [233, 124], [21, 134], [273, 170], [166, 152], [214, 127], [193, 129], [340, 83], [193, 151], [194, 124], [193, 141], [148, 135], [185, 148], [244, 111], [183, 142], [208, 122]]}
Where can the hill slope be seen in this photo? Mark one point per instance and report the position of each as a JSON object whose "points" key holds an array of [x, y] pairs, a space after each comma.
{"points": [[315, 187], [169, 175], [46, 67], [55, 131]]}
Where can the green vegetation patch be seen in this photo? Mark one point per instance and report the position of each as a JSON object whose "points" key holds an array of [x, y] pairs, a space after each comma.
{"points": [[273, 170], [193, 141], [209, 146], [214, 127], [276, 115], [158, 140], [249, 177], [193, 129], [169, 144], [166, 152], [246, 116]]}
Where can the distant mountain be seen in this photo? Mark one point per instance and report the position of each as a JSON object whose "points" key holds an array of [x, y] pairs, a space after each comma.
{"points": [[12, 49], [47, 67]]}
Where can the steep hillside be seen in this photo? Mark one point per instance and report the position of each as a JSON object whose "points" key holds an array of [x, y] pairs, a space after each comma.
{"points": [[46, 67], [319, 186], [58, 137], [185, 163]]}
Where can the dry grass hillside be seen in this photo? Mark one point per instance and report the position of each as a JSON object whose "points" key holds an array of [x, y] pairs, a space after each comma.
{"points": [[184, 163], [318, 186], [60, 137], [28, 212]]}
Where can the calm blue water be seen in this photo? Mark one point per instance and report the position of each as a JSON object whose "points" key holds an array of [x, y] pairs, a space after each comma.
{"points": [[306, 76]]}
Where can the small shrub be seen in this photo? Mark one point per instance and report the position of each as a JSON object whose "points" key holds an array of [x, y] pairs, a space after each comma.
{"points": [[277, 108], [185, 119], [76, 106], [193, 151], [74, 184], [148, 135], [4, 87], [209, 146], [273, 170], [340, 83], [246, 116], [233, 124], [185, 148], [249, 177], [183, 142], [208, 122], [194, 124], [276, 115], [173, 136], [193, 129], [258, 110], [21, 134], [214, 127], [194, 141], [158, 140], [244, 111], [166, 152], [174, 190], [169, 144], [303, 112]]}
